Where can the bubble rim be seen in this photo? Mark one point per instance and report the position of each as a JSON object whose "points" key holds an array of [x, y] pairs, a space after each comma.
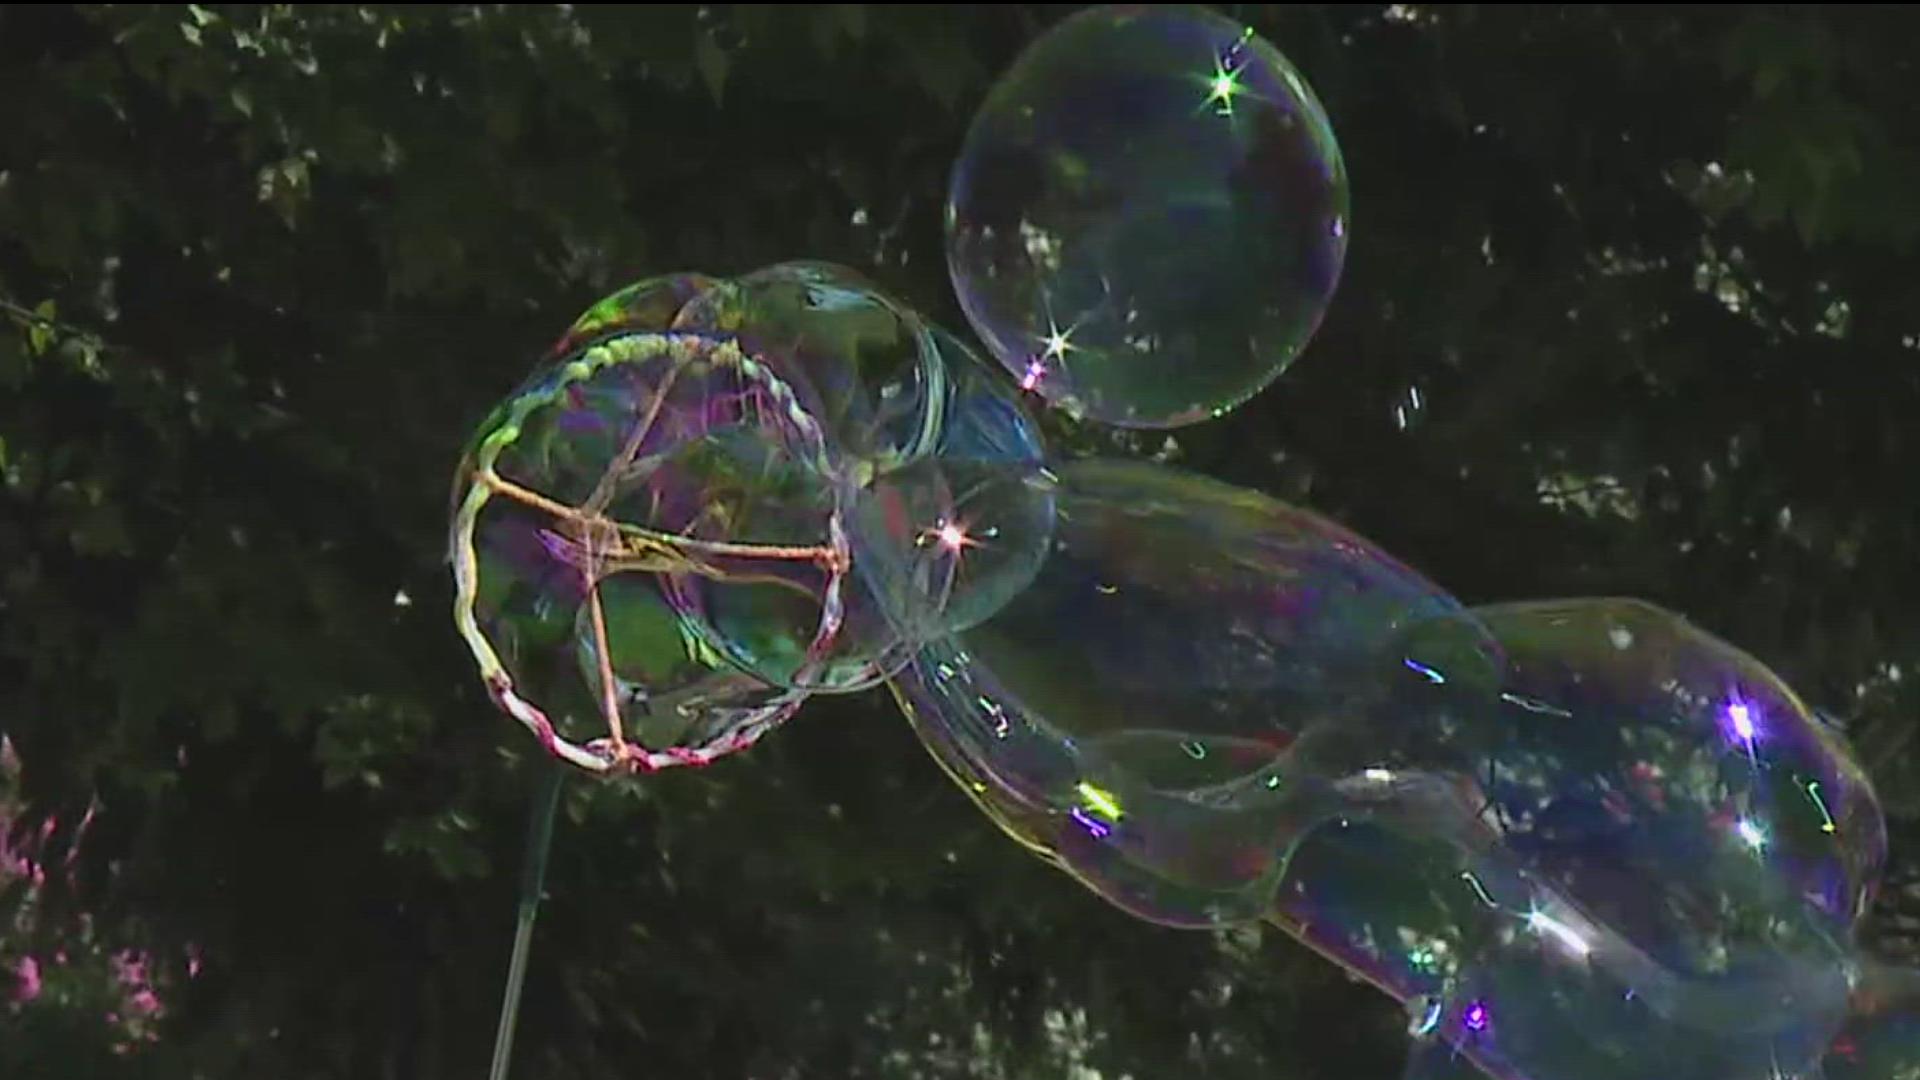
{"points": [[604, 756]]}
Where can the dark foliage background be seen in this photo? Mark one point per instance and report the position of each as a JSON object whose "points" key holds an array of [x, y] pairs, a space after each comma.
{"points": [[1630, 308]]}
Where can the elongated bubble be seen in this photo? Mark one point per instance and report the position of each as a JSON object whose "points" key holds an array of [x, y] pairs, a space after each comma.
{"points": [[1641, 849], [1128, 713]]}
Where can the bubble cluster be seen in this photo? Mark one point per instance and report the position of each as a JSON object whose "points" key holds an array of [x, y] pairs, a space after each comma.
{"points": [[1576, 839], [655, 537]]}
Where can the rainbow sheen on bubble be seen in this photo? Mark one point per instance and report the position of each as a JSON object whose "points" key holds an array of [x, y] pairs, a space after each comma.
{"points": [[1578, 839], [943, 541], [1614, 838], [1149, 215], [619, 507], [889, 402], [650, 304], [1128, 713], [651, 532], [860, 360], [1575, 840]]}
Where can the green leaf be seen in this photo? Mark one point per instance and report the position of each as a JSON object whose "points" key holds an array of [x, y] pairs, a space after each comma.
{"points": [[712, 62], [40, 334]]}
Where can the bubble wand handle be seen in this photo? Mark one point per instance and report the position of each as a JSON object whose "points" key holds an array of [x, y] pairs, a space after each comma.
{"points": [[533, 877]]}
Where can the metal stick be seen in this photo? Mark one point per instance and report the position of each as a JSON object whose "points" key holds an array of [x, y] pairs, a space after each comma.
{"points": [[533, 878]]}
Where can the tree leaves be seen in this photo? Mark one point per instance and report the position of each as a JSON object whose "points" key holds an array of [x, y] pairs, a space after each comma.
{"points": [[712, 61], [265, 266], [1821, 157]]}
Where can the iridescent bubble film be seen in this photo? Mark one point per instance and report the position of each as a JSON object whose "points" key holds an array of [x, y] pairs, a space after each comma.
{"points": [[1128, 713], [872, 372], [860, 360], [640, 493], [649, 304], [1149, 215], [1574, 839], [943, 541], [1584, 837]]}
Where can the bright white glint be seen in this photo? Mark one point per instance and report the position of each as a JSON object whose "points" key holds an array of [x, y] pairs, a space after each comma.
{"points": [[1742, 718], [952, 536], [1542, 923]]}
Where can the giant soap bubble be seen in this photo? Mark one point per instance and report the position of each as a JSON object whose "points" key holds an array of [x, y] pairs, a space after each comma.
{"points": [[1584, 838], [1149, 215], [1128, 712], [1576, 840], [634, 463], [651, 534]]}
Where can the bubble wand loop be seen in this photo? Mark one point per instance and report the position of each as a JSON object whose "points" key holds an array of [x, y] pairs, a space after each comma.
{"points": [[584, 537]]}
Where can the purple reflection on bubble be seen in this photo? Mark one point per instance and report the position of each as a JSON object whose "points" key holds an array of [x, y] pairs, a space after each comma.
{"points": [[1475, 1018], [1739, 722], [1098, 830]]}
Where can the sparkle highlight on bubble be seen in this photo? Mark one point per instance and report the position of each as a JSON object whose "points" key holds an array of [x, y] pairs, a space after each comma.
{"points": [[1542, 923], [1740, 718], [1162, 182], [1100, 801]]}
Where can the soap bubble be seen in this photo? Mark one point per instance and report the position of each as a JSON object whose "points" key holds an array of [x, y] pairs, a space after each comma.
{"points": [[619, 518], [1128, 712], [1668, 850], [1149, 215], [860, 360], [650, 304], [945, 540]]}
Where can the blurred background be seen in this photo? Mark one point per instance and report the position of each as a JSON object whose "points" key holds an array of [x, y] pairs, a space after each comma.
{"points": [[1631, 307]]}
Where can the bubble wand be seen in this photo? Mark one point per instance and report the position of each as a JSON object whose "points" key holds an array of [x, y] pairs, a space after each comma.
{"points": [[1502, 791], [533, 877]]}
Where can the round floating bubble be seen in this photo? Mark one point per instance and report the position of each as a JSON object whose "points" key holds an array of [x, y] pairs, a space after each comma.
{"points": [[946, 539], [638, 496], [942, 545], [1149, 215], [1128, 712]]}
